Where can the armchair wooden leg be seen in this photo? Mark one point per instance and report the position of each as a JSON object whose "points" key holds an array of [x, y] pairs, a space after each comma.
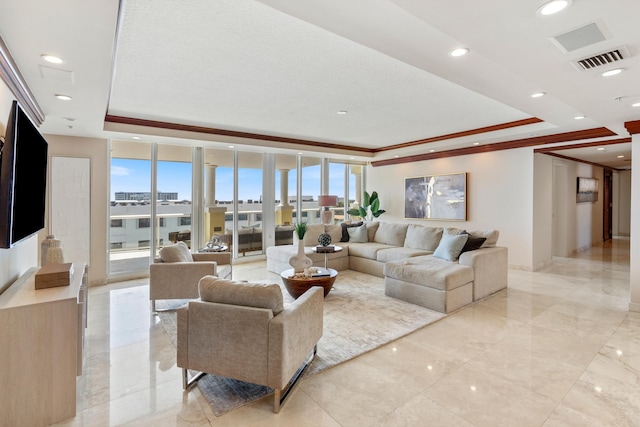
{"points": [[280, 396]]}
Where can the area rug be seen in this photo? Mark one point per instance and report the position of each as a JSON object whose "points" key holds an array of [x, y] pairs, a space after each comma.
{"points": [[358, 318]]}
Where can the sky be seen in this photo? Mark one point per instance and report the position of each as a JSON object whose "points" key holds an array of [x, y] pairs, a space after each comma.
{"points": [[130, 175]]}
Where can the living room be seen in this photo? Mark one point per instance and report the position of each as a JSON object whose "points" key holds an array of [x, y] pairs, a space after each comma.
{"points": [[514, 190]]}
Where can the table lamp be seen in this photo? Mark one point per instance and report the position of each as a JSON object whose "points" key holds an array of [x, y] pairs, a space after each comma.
{"points": [[325, 202]]}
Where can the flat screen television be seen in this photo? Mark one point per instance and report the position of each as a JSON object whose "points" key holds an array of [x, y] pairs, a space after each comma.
{"points": [[23, 179]]}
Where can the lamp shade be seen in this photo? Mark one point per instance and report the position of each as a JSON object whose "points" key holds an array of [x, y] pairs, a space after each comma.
{"points": [[327, 200]]}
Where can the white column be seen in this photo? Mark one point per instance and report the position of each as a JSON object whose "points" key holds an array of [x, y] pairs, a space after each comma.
{"points": [[210, 197], [634, 258], [284, 187]]}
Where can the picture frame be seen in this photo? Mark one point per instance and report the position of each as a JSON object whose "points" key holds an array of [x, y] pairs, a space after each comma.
{"points": [[436, 197], [586, 190]]}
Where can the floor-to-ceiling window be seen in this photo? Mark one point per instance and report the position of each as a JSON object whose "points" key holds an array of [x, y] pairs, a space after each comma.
{"points": [[233, 205], [173, 207], [130, 207]]}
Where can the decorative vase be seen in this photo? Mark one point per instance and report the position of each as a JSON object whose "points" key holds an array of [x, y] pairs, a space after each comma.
{"points": [[324, 239], [49, 242], [300, 261]]}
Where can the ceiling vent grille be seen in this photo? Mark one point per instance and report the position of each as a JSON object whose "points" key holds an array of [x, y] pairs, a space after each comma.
{"points": [[601, 59]]}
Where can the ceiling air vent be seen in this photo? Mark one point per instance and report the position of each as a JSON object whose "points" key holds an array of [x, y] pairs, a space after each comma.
{"points": [[604, 58]]}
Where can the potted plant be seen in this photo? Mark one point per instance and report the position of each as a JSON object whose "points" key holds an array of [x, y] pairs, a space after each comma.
{"points": [[370, 208], [300, 229]]}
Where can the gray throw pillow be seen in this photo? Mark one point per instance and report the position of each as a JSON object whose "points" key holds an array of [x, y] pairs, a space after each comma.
{"points": [[358, 234], [450, 247]]}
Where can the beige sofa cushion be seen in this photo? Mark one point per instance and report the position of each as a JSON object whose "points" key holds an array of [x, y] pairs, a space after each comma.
{"points": [[312, 234], [391, 234], [372, 228], [420, 237], [178, 252], [223, 291], [335, 231], [395, 254]]}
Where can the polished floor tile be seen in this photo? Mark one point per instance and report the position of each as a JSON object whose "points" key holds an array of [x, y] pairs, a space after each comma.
{"points": [[557, 348]]}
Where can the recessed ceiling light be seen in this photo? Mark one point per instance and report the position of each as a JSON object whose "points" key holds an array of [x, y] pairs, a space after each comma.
{"points": [[637, 104], [553, 6], [135, 137], [396, 156], [342, 112], [579, 117], [461, 51], [538, 94], [432, 151], [231, 146], [52, 59], [63, 97], [613, 72], [476, 143], [600, 148], [621, 156]]}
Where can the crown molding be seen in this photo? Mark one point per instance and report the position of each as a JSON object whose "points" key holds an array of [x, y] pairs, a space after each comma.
{"points": [[633, 127], [507, 145]]}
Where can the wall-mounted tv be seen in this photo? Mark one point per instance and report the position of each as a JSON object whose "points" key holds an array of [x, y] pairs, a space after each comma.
{"points": [[23, 179]]}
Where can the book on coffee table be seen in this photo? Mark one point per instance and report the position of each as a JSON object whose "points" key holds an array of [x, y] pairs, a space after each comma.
{"points": [[321, 273], [325, 249]]}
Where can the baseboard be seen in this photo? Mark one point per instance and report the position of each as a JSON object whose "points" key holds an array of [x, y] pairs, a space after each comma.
{"points": [[634, 306]]}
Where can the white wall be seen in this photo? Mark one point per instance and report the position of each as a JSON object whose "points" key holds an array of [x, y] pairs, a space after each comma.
{"points": [[499, 195], [97, 151], [15, 261]]}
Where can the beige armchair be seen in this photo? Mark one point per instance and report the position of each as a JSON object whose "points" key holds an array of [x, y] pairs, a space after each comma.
{"points": [[244, 331], [175, 273]]}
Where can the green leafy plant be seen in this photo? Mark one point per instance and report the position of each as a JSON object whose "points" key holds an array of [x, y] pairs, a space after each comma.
{"points": [[300, 229], [370, 208]]}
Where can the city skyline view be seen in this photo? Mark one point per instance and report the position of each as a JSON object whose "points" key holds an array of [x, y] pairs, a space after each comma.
{"points": [[132, 175]]}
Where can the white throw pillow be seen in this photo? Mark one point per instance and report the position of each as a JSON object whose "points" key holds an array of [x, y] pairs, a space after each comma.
{"points": [[450, 247], [358, 234]]}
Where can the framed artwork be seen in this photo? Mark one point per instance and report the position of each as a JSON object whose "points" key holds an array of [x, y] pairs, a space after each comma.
{"points": [[441, 197], [587, 190]]}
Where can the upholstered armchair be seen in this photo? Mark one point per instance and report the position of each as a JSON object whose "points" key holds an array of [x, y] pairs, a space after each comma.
{"points": [[243, 331], [175, 273]]}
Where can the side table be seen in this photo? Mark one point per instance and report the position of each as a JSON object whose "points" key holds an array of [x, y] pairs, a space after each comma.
{"points": [[335, 249]]}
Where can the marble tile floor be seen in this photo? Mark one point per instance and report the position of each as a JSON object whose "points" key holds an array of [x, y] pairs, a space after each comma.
{"points": [[557, 348]]}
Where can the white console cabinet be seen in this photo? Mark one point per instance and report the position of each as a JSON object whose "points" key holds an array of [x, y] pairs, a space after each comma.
{"points": [[41, 349]]}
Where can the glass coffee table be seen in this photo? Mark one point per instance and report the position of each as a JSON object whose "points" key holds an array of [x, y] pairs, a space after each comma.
{"points": [[297, 285]]}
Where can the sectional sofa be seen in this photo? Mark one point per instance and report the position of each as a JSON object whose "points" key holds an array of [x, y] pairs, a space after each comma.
{"points": [[439, 268]]}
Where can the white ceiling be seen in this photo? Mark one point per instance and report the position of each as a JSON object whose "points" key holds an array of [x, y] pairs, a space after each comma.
{"points": [[284, 68]]}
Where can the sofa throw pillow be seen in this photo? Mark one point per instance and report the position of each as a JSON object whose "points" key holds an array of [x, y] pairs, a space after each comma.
{"points": [[473, 243], [490, 235], [223, 291], [450, 247], [358, 234], [178, 252], [345, 234]]}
